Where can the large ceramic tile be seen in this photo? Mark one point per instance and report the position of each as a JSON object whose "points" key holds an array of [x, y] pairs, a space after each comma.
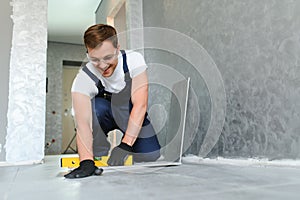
{"points": [[194, 181]]}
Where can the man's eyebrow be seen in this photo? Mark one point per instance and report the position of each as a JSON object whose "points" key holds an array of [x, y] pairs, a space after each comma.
{"points": [[103, 56]]}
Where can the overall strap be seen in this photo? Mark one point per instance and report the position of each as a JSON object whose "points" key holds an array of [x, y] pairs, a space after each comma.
{"points": [[127, 77], [125, 66], [92, 76], [101, 91]]}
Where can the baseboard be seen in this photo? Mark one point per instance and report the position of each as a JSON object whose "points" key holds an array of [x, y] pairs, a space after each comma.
{"points": [[19, 163]]}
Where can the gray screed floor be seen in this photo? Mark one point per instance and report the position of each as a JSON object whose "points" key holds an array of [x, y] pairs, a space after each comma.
{"points": [[187, 181]]}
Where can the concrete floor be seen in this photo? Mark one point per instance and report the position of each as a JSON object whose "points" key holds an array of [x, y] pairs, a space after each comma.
{"points": [[193, 181]]}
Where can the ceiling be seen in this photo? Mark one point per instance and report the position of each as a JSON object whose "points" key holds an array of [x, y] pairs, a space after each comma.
{"points": [[68, 19]]}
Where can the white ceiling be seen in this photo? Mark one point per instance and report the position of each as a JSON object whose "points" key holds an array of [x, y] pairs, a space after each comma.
{"points": [[68, 19]]}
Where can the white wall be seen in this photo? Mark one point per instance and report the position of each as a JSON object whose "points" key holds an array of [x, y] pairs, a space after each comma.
{"points": [[5, 46], [27, 82]]}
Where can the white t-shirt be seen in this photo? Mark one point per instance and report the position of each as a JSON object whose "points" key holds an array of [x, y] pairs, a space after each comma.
{"points": [[115, 83]]}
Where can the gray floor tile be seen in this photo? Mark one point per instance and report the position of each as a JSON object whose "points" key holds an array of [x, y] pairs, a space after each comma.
{"points": [[193, 181]]}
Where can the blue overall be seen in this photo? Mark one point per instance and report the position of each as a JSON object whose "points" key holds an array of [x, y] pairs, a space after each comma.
{"points": [[111, 111]]}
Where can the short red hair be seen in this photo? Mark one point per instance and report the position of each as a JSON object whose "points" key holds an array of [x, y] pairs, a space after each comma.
{"points": [[95, 35]]}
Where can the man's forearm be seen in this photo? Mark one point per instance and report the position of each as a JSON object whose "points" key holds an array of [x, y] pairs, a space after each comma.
{"points": [[84, 143], [135, 122]]}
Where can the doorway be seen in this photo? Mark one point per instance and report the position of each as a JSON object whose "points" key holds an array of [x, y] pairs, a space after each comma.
{"points": [[59, 52], [68, 125]]}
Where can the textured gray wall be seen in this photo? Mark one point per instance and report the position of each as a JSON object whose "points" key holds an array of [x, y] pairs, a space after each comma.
{"points": [[56, 54], [256, 46], [5, 47]]}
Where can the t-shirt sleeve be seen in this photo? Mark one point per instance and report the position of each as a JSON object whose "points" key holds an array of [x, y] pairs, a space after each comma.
{"points": [[84, 85], [136, 63]]}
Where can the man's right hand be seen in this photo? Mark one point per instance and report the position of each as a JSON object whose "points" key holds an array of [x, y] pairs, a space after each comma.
{"points": [[86, 168]]}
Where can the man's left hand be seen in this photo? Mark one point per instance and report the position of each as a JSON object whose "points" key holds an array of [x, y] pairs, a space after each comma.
{"points": [[119, 154]]}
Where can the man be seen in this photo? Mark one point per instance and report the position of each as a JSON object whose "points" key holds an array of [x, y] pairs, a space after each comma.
{"points": [[111, 92]]}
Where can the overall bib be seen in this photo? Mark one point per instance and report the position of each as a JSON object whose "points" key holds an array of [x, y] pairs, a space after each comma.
{"points": [[111, 111]]}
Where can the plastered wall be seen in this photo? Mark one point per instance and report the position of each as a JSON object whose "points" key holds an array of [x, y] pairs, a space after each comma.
{"points": [[5, 47], [27, 82], [256, 47], [56, 54]]}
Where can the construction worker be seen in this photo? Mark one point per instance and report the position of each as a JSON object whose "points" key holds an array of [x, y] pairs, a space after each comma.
{"points": [[111, 92]]}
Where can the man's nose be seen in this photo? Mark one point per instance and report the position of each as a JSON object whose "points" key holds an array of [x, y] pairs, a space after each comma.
{"points": [[102, 65]]}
